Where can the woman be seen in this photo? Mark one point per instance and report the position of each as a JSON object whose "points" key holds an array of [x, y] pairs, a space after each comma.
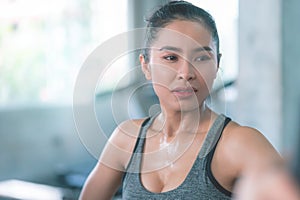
{"points": [[187, 151]]}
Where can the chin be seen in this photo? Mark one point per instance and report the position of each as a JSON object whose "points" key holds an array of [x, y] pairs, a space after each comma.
{"points": [[182, 107]]}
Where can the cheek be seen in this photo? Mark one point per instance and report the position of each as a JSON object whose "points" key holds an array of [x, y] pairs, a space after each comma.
{"points": [[209, 75], [162, 75], [162, 79], [206, 76]]}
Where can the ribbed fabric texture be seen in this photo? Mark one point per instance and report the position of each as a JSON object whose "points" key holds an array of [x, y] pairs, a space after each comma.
{"points": [[199, 183]]}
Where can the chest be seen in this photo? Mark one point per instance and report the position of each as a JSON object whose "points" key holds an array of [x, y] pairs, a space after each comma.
{"points": [[165, 167], [169, 176], [164, 170]]}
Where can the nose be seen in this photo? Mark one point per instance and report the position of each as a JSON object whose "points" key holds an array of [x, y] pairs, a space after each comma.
{"points": [[186, 71]]}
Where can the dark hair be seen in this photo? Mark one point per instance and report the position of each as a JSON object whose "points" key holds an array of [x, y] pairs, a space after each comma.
{"points": [[177, 10]]}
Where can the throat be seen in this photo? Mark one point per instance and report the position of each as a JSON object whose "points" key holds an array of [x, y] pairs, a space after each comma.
{"points": [[172, 124]]}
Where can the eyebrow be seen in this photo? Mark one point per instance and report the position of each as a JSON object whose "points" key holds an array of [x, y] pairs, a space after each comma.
{"points": [[176, 49]]}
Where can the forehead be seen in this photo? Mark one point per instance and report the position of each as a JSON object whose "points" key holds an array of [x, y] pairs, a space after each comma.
{"points": [[184, 34]]}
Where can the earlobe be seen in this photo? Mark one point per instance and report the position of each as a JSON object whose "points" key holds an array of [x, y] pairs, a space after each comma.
{"points": [[145, 67]]}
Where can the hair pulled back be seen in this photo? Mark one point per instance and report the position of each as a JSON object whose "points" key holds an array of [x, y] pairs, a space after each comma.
{"points": [[177, 10]]}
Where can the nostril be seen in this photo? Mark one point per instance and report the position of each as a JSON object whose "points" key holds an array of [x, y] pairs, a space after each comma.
{"points": [[187, 77]]}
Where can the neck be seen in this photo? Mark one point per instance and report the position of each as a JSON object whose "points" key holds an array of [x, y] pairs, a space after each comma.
{"points": [[172, 123]]}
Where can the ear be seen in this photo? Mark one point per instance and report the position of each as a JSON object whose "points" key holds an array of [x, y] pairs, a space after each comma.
{"points": [[145, 67], [218, 64], [219, 59]]}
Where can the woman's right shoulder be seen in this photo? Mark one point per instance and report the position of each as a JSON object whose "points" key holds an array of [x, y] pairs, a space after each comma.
{"points": [[126, 134], [120, 146]]}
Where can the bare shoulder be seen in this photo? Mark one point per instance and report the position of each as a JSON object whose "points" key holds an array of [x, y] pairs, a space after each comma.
{"points": [[247, 147], [107, 174], [119, 147], [236, 134], [126, 133]]}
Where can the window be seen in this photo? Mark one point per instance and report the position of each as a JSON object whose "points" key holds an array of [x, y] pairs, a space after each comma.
{"points": [[44, 43]]}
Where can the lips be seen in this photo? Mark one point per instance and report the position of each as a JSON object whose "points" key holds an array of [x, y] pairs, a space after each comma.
{"points": [[184, 91]]}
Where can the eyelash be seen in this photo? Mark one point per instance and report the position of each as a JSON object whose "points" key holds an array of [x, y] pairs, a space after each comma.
{"points": [[174, 58], [171, 58], [203, 58]]}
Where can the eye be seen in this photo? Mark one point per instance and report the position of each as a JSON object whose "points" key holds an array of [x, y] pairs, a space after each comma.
{"points": [[171, 58], [202, 58]]}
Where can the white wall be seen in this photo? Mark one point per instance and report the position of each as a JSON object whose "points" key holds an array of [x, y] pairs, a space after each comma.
{"points": [[259, 81]]}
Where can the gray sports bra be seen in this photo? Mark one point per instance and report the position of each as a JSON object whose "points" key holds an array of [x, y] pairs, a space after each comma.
{"points": [[199, 183]]}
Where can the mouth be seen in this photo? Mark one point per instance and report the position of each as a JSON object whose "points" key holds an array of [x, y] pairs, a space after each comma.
{"points": [[184, 92]]}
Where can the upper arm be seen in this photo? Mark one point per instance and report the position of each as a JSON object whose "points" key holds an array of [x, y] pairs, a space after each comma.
{"points": [[263, 171], [102, 183], [106, 177]]}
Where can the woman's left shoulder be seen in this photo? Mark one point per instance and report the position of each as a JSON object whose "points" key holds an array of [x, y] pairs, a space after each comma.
{"points": [[247, 145], [244, 136]]}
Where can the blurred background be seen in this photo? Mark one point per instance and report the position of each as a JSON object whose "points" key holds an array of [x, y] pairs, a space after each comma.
{"points": [[43, 45]]}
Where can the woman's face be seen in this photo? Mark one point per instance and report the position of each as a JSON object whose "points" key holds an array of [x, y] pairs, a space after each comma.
{"points": [[182, 65]]}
